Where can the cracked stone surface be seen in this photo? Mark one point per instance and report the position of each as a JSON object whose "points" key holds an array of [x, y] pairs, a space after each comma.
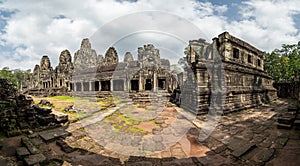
{"points": [[248, 137]]}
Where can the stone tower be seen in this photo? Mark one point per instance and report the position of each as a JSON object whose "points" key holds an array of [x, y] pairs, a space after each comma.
{"points": [[85, 57]]}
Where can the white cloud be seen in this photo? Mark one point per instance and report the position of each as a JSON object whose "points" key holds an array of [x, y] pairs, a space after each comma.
{"points": [[48, 27]]}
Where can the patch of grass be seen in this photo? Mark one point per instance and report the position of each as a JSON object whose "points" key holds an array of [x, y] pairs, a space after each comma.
{"points": [[125, 120], [62, 97], [36, 102], [135, 130]]}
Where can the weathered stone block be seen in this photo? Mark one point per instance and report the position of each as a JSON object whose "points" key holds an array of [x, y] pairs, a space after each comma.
{"points": [[42, 111], [35, 159], [243, 149], [22, 152], [32, 149], [284, 126], [46, 119], [64, 146], [51, 135]]}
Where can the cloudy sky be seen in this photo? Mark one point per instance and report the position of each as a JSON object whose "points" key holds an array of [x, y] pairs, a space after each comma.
{"points": [[32, 28]]}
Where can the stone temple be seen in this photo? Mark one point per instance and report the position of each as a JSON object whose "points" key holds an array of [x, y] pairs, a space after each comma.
{"points": [[94, 75], [229, 66], [229, 71]]}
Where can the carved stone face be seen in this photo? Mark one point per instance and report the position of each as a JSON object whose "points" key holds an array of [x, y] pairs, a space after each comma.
{"points": [[65, 57], [45, 63]]}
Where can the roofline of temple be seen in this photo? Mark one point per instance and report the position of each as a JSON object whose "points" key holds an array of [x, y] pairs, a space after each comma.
{"points": [[242, 43]]}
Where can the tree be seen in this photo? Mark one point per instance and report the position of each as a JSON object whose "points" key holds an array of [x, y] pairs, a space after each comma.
{"points": [[16, 76], [284, 63]]}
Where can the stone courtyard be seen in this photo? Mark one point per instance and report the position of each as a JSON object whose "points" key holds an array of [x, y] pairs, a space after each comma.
{"points": [[248, 137], [97, 110]]}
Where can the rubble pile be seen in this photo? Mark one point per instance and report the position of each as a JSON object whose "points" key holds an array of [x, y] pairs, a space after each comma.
{"points": [[18, 114], [290, 118]]}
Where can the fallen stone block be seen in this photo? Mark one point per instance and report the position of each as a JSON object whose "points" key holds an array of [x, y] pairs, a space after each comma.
{"points": [[264, 155], [297, 117], [64, 146], [54, 134], [284, 126], [35, 159], [45, 120], [285, 119], [243, 149], [31, 148], [22, 152], [236, 143], [45, 102], [60, 117], [297, 124], [42, 111]]}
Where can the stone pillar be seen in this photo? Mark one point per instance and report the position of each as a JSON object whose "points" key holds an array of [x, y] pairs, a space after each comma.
{"points": [[74, 87], [125, 85], [141, 86], [82, 88], [154, 81], [90, 86], [99, 85], [111, 85], [128, 85]]}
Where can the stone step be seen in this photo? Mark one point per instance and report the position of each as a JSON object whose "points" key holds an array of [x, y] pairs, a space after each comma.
{"points": [[51, 135], [31, 148], [286, 119], [22, 152], [284, 126]]}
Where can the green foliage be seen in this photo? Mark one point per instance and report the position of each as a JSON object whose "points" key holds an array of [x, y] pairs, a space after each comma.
{"points": [[16, 76], [284, 63], [62, 97]]}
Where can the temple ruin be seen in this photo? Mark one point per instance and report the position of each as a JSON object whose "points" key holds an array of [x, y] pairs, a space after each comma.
{"points": [[243, 83], [94, 75], [247, 84]]}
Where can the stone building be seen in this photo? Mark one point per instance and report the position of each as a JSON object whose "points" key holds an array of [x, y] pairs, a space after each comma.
{"points": [[94, 75], [229, 71], [228, 66]]}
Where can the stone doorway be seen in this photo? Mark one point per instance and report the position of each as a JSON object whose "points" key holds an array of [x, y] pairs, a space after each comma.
{"points": [[148, 85], [97, 88], [72, 86], [162, 84], [134, 85], [105, 85]]}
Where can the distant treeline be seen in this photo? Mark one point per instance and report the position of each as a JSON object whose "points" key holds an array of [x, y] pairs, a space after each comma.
{"points": [[281, 64], [15, 76], [284, 64]]}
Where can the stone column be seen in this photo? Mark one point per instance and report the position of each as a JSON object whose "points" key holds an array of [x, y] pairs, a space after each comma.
{"points": [[82, 88], [74, 87], [90, 86], [125, 85], [99, 85], [111, 85], [154, 81], [141, 86]]}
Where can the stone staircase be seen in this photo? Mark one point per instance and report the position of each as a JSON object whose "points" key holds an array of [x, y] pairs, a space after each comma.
{"points": [[148, 96]]}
